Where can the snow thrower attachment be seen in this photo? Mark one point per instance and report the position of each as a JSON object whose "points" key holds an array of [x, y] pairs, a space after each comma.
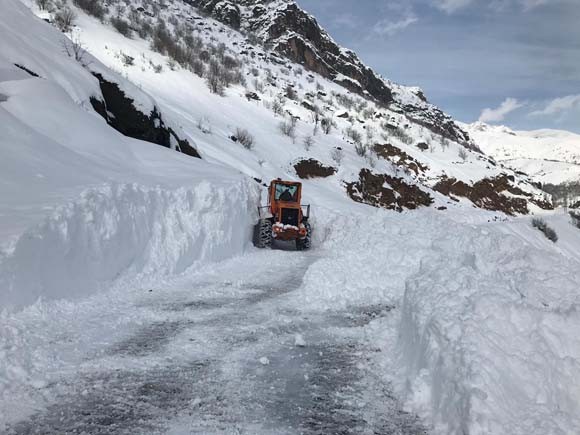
{"points": [[284, 218]]}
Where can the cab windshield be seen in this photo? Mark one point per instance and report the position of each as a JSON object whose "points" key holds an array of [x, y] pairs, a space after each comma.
{"points": [[286, 193]]}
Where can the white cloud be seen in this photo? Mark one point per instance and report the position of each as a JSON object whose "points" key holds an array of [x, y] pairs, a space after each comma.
{"points": [[389, 28], [531, 4], [451, 6], [499, 113], [346, 21], [559, 105]]}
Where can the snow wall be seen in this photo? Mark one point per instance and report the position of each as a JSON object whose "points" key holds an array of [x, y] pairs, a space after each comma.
{"points": [[122, 231], [488, 334], [485, 330]]}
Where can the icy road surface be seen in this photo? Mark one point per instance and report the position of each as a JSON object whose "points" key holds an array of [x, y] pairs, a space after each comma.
{"points": [[222, 352]]}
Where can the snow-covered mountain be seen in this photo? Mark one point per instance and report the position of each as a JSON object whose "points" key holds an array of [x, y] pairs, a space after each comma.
{"points": [[548, 156], [228, 76], [136, 137]]}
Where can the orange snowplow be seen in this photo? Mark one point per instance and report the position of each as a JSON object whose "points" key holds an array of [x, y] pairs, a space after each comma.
{"points": [[284, 218]]}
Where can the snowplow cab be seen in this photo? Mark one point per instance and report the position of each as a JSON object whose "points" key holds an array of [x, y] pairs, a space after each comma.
{"points": [[284, 218]]}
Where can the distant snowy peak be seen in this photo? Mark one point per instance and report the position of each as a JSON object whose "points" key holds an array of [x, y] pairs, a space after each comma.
{"points": [[550, 156], [297, 35]]}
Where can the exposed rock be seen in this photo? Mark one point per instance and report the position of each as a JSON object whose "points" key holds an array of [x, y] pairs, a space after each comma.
{"points": [[252, 96], [399, 157], [120, 113], [23, 68], [312, 168], [372, 189], [227, 12], [489, 194], [423, 146]]}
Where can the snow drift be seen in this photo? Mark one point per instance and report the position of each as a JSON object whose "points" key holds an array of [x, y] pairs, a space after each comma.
{"points": [[488, 335], [487, 315], [84, 206], [125, 230]]}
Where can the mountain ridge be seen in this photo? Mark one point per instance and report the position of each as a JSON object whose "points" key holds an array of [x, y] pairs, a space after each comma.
{"points": [[296, 34]]}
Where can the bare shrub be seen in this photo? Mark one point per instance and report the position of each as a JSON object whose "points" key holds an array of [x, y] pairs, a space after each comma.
{"points": [[258, 86], [42, 4], [327, 124], [204, 125], [74, 49], [64, 19], [371, 161], [290, 92], [360, 149], [245, 138], [400, 134], [127, 60], [288, 128], [354, 135], [308, 141], [462, 154], [575, 215], [548, 231], [337, 154], [198, 67], [214, 78], [145, 29], [277, 108], [92, 7], [121, 26]]}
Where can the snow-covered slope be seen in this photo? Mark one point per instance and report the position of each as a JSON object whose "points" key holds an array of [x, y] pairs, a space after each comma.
{"points": [[174, 53], [479, 299], [83, 205], [549, 156]]}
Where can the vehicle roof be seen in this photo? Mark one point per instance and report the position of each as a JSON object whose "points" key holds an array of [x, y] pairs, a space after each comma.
{"points": [[290, 183]]}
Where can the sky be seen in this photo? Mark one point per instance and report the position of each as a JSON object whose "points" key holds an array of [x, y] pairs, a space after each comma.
{"points": [[509, 62]]}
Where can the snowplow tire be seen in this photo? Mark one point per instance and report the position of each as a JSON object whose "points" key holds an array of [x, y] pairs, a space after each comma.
{"points": [[263, 234], [305, 243]]}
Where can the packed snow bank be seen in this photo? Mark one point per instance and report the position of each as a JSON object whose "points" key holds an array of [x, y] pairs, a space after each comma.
{"points": [[363, 264], [487, 330], [84, 206], [489, 335], [126, 230]]}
